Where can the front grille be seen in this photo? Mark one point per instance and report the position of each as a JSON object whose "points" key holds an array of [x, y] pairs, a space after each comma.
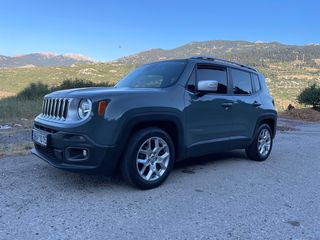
{"points": [[56, 108]]}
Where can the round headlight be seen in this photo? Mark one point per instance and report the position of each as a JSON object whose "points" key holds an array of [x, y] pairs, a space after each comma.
{"points": [[84, 108]]}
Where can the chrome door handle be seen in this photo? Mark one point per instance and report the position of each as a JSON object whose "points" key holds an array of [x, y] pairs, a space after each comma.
{"points": [[256, 104], [227, 104]]}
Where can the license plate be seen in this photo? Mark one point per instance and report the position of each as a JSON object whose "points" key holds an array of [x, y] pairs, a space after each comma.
{"points": [[39, 137]]}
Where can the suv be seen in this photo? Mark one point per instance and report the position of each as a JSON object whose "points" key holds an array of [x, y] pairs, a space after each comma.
{"points": [[158, 114]]}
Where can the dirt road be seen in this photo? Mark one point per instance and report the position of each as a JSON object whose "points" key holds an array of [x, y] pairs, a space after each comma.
{"points": [[217, 197]]}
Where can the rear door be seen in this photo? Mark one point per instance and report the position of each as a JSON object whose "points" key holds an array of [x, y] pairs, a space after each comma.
{"points": [[247, 102]]}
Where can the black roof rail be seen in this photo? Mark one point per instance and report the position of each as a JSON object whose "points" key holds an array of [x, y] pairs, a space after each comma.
{"points": [[223, 60]]}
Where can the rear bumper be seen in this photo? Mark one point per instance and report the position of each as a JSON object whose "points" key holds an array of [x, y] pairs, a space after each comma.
{"points": [[63, 147]]}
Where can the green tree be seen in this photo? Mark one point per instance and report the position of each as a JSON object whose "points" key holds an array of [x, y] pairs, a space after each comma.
{"points": [[310, 96]]}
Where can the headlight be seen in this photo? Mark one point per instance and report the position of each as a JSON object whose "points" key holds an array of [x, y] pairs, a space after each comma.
{"points": [[84, 109]]}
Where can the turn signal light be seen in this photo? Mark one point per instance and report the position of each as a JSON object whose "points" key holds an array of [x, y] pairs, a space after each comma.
{"points": [[102, 107]]}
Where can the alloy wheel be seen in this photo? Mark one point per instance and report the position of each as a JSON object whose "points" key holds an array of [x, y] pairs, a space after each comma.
{"points": [[264, 142], [153, 158]]}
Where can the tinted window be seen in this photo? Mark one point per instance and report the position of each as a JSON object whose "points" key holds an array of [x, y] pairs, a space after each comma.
{"points": [[154, 75], [255, 82], [220, 75], [241, 82]]}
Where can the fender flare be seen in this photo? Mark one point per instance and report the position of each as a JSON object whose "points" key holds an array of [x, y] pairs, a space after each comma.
{"points": [[266, 116], [148, 118]]}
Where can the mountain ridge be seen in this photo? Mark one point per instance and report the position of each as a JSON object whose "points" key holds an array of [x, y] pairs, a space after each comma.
{"points": [[257, 53], [43, 59], [253, 53]]}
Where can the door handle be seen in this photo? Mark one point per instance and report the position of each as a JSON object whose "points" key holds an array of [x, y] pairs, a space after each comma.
{"points": [[227, 104], [256, 104]]}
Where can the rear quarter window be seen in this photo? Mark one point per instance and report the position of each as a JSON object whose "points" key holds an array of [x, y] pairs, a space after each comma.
{"points": [[255, 82]]}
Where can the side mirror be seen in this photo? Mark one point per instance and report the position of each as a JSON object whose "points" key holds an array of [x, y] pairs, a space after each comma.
{"points": [[207, 86]]}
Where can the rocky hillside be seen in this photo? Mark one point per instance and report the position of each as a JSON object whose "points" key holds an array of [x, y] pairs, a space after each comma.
{"points": [[254, 53], [42, 60]]}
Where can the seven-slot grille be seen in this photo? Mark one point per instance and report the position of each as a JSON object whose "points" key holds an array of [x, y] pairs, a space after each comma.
{"points": [[56, 108]]}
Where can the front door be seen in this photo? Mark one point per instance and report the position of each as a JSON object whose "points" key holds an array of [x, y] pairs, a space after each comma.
{"points": [[208, 115]]}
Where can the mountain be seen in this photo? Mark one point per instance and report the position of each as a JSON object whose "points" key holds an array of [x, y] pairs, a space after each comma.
{"points": [[43, 60], [253, 53]]}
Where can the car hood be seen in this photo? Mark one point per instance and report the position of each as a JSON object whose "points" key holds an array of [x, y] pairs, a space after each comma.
{"points": [[99, 92]]}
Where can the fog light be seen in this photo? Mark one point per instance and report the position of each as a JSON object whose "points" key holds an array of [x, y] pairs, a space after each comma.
{"points": [[76, 154], [85, 153]]}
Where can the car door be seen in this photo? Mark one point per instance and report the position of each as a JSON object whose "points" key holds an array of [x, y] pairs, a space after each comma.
{"points": [[208, 115], [246, 107]]}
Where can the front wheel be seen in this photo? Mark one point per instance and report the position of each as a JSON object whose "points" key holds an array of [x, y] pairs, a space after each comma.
{"points": [[148, 159], [260, 148]]}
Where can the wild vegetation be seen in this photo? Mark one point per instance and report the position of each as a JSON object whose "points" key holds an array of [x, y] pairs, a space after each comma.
{"points": [[27, 103], [14, 80], [310, 96], [287, 80]]}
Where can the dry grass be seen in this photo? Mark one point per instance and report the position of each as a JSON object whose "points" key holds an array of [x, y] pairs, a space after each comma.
{"points": [[296, 76], [13, 109], [15, 149], [305, 114], [5, 94]]}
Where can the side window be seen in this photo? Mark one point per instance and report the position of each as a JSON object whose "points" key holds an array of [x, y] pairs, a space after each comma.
{"points": [[255, 82], [218, 74], [241, 82]]}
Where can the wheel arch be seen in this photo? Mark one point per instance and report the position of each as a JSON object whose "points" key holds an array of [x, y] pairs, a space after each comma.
{"points": [[270, 120], [168, 122]]}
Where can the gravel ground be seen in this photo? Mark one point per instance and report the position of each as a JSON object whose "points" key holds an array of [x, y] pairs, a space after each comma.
{"points": [[224, 196]]}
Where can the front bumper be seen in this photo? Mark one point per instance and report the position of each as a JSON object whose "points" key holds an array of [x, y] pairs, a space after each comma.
{"points": [[62, 149]]}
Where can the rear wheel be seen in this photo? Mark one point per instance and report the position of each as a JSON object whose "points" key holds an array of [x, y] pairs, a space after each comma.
{"points": [[148, 159], [260, 148]]}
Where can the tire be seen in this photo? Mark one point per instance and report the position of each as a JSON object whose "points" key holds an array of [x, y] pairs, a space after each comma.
{"points": [[145, 165], [263, 136]]}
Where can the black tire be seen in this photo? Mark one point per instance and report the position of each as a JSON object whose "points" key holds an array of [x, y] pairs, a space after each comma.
{"points": [[253, 150], [129, 167]]}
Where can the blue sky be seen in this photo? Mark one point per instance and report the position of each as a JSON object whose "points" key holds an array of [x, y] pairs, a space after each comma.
{"points": [[105, 30]]}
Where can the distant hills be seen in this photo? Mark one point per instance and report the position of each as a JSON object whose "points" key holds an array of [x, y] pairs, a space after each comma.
{"points": [[43, 60], [253, 53]]}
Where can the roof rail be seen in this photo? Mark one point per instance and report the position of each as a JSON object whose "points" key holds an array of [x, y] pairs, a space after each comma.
{"points": [[223, 60]]}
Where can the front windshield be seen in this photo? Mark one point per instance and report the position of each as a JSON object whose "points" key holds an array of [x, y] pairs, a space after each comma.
{"points": [[154, 75]]}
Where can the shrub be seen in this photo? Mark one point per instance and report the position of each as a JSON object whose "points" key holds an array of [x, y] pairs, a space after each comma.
{"points": [[310, 96], [78, 83], [34, 91], [38, 90]]}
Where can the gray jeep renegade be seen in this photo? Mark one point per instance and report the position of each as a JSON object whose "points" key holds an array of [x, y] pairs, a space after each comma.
{"points": [[158, 114]]}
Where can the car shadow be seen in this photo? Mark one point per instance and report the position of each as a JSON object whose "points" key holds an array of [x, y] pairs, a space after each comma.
{"points": [[223, 157], [90, 182]]}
